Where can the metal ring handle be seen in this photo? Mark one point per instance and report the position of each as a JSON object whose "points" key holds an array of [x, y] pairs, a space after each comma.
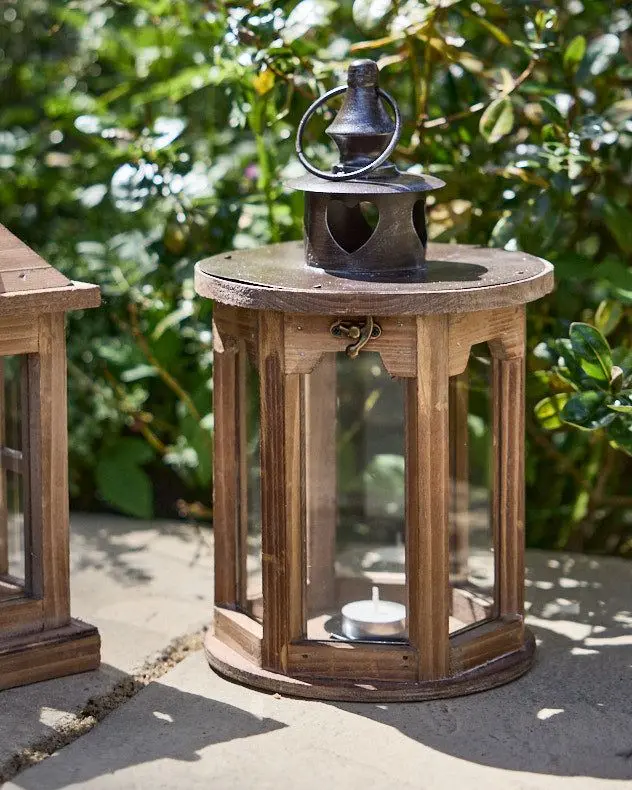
{"points": [[354, 173]]}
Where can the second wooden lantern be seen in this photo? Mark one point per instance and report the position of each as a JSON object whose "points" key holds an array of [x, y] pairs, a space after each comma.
{"points": [[369, 402], [39, 639]]}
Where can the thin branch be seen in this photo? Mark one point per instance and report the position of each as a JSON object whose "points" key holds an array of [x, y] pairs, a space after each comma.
{"points": [[457, 116], [167, 378], [140, 420], [476, 108]]}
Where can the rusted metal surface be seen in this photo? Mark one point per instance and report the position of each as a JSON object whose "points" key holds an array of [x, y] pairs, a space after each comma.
{"points": [[339, 235], [395, 184], [362, 129]]}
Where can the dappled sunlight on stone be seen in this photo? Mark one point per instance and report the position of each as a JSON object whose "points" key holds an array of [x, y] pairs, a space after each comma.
{"points": [[547, 713]]}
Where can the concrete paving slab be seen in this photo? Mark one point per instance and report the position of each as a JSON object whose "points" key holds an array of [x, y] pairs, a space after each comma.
{"points": [[142, 584], [567, 724]]}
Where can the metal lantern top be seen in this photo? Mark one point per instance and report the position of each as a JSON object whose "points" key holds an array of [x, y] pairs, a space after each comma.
{"points": [[366, 137], [364, 219]]}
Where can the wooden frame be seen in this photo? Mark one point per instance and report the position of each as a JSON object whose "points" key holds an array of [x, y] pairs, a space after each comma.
{"points": [[38, 637], [298, 480]]}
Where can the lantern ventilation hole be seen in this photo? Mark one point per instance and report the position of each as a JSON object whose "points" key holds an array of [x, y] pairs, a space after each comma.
{"points": [[419, 221], [351, 226]]}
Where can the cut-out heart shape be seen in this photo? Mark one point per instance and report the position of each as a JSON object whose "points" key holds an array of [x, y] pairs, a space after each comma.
{"points": [[352, 226], [419, 221]]}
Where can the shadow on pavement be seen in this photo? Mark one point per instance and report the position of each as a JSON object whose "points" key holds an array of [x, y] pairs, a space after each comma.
{"points": [[572, 714], [169, 724]]}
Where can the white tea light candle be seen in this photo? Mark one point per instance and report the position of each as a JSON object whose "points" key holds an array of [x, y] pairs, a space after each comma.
{"points": [[374, 618]]}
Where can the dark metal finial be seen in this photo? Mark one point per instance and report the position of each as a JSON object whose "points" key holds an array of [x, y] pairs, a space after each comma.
{"points": [[363, 131]]}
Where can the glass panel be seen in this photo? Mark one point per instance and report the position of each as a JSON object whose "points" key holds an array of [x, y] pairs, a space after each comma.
{"points": [[14, 573], [354, 472], [250, 576], [471, 472]]}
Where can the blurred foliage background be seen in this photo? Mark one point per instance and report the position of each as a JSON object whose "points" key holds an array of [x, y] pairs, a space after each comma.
{"points": [[137, 136]]}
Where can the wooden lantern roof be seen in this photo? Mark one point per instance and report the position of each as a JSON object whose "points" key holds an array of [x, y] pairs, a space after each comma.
{"points": [[28, 283]]}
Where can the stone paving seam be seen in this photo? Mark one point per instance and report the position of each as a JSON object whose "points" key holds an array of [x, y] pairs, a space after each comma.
{"points": [[96, 709]]}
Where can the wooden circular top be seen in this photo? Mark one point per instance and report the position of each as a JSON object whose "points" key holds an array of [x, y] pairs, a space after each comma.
{"points": [[459, 279]]}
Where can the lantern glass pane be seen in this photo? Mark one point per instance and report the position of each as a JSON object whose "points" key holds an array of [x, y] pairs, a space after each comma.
{"points": [[354, 499], [14, 567], [472, 572], [249, 539]]}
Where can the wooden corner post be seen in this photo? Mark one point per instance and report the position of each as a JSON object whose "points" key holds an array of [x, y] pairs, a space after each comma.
{"points": [[508, 375], [48, 454], [226, 494], [281, 495], [428, 500]]}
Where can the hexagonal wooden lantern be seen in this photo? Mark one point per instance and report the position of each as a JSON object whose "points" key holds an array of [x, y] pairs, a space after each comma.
{"points": [[369, 477], [38, 638]]}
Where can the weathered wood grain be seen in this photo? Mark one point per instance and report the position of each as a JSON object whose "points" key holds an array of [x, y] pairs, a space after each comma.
{"points": [[358, 661], [508, 480], [239, 631], [48, 453], [428, 499], [460, 279], [280, 494], [500, 328], [226, 493], [484, 643], [308, 339], [50, 654], [494, 673]]}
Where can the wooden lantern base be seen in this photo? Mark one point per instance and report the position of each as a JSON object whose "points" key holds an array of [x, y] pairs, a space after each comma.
{"points": [[44, 655], [233, 666]]}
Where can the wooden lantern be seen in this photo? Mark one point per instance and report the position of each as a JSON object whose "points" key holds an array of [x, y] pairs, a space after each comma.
{"points": [[38, 638], [368, 464], [449, 359]]}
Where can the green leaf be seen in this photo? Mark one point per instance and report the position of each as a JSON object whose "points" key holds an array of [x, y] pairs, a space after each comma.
{"points": [[368, 14], [622, 403], [133, 450], [305, 16], [491, 28], [599, 55], [574, 53], [592, 351], [120, 480], [616, 272], [608, 315], [186, 82], [199, 438], [619, 112], [616, 379], [620, 435], [622, 357], [138, 372], [587, 410], [497, 120], [125, 486], [619, 223], [184, 311], [548, 410], [505, 229], [552, 111]]}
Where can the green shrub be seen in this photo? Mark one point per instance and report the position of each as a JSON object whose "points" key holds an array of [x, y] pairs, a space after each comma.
{"points": [[140, 135]]}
